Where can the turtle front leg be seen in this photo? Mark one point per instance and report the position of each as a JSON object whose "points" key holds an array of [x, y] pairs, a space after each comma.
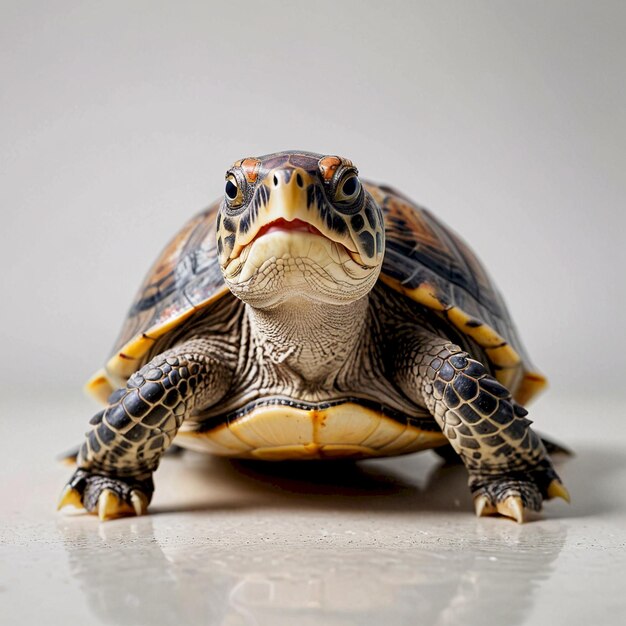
{"points": [[510, 472], [127, 439]]}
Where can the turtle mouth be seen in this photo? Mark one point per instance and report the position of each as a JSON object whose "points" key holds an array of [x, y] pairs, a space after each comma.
{"points": [[282, 225]]}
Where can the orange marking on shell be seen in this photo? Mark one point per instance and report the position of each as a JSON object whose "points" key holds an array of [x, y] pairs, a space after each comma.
{"points": [[328, 166], [250, 168]]}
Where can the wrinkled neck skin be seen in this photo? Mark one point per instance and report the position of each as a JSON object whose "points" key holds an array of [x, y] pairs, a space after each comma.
{"points": [[313, 339]]}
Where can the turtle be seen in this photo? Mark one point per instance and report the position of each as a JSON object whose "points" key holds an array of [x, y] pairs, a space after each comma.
{"points": [[308, 314]]}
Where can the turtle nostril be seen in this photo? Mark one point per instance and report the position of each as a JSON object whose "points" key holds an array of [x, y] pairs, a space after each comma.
{"points": [[275, 181], [299, 180]]}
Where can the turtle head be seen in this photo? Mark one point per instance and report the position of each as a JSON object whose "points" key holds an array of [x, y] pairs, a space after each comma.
{"points": [[298, 225]]}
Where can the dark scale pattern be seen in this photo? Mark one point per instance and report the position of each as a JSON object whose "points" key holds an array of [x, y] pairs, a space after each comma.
{"points": [[260, 199], [379, 242], [486, 428], [134, 405], [118, 417], [486, 403], [450, 398], [93, 441], [339, 224], [315, 196], [367, 243], [229, 241], [357, 222], [369, 215], [229, 225], [97, 418], [152, 392], [466, 387]]}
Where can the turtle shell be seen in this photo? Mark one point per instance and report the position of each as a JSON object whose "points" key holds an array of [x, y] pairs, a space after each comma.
{"points": [[423, 260]]}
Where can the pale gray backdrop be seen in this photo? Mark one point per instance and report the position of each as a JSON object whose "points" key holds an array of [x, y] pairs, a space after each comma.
{"points": [[118, 120]]}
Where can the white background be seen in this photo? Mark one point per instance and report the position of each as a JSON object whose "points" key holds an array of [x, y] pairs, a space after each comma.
{"points": [[118, 120]]}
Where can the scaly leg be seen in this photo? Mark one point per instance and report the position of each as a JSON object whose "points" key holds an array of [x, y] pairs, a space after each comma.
{"points": [[127, 439], [510, 471]]}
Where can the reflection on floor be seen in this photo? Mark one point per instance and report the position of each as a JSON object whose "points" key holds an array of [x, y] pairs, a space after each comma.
{"points": [[201, 583]]}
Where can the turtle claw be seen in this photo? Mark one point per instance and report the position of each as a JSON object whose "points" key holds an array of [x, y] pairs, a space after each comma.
{"points": [[483, 507], [139, 502], [513, 499], [556, 489], [111, 506], [512, 507], [108, 505], [70, 497]]}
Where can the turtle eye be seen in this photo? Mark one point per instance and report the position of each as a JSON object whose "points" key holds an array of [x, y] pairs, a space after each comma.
{"points": [[348, 189], [234, 194]]}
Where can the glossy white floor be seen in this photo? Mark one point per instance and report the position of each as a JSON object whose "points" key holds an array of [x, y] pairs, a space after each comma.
{"points": [[383, 542]]}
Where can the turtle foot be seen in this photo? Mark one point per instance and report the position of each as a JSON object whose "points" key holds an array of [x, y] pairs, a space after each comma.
{"points": [[516, 495], [106, 496]]}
